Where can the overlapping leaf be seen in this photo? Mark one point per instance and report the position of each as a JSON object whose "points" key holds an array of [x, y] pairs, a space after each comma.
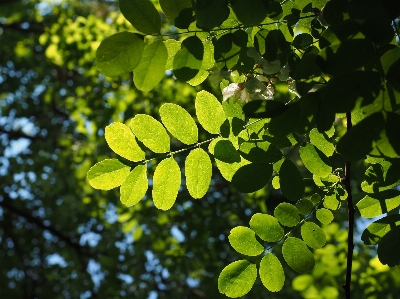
{"points": [[107, 174], [134, 188], [244, 241], [142, 15]]}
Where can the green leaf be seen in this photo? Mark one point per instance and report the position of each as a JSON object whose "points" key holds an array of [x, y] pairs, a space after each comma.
{"points": [[166, 183], [244, 241], [307, 73], [142, 15], [302, 41], [175, 10], [297, 255], [315, 160], [179, 123], [198, 171], [313, 235], [291, 180], [173, 46], [331, 201], [210, 14], [393, 130], [122, 141], [287, 214], [207, 63], [304, 206], [326, 183], [250, 12], [320, 141], [134, 188], [263, 109], [252, 177], [150, 132], [107, 174], [381, 176], [271, 273], [151, 68], [237, 278], [266, 227], [375, 231], [188, 60], [389, 248], [324, 216], [285, 123], [260, 152], [373, 205], [119, 54], [209, 112]]}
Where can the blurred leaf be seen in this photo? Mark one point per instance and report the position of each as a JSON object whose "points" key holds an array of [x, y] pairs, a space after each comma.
{"points": [[142, 15], [307, 73], [266, 227], [285, 123], [198, 171], [297, 255], [134, 188], [263, 109], [178, 12], [107, 174], [210, 14], [393, 75], [250, 12], [271, 273], [244, 241]]}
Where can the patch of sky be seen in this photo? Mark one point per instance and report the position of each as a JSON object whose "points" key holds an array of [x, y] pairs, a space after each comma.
{"points": [[193, 283], [177, 234], [90, 238], [152, 295], [94, 269], [56, 259], [128, 279]]}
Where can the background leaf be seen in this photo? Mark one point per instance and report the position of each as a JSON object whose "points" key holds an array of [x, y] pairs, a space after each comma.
{"points": [[107, 174], [119, 54], [297, 255], [244, 241], [142, 15], [237, 278], [198, 171], [388, 248], [121, 140], [150, 132], [166, 183], [271, 273], [134, 188], [179, 123]]}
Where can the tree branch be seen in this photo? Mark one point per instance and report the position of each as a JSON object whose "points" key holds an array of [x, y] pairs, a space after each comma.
{"points": [[350, 211]]}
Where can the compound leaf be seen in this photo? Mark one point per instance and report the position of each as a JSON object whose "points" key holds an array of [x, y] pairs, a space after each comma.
{"points": [[198, 171], [291, 181], [209, 112], [313, 235], [375, 204], [287, 214], [315, 160], [107, 174]]}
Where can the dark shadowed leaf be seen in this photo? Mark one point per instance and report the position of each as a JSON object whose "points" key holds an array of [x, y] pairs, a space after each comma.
{"points": [[252, 177], [291, 180], [142, 15]]}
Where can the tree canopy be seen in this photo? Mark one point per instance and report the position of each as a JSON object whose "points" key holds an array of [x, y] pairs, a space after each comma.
{"points": [[200, 149]]}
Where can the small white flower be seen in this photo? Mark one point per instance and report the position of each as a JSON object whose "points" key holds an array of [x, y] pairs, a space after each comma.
{"points": [[292, 87], [237, 91]]}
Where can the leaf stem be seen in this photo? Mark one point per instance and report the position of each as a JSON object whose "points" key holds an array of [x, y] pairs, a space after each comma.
{"points": [[350, 210]]}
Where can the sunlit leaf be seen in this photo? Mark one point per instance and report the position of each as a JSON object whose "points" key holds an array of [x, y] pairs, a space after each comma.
{"points": [[381, 176], [266, 227], [313, 235], [142, 15], [173, 46], [324, 216], [122, 141], [375, 204], [237, 278], [244, 241], [166, 183], [119, 54], [151, 68], [320, 141], [271, 273], [150, 132], [107, 174], [297, 255], [198, 171], [209, 112], [134, 188], [287, 214], [188, 60], [176, 10], [179, 123], [375, 231], [315, 161]]}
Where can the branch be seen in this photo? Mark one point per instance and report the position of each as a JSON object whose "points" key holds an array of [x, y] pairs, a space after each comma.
{"points": [[350, 212]]}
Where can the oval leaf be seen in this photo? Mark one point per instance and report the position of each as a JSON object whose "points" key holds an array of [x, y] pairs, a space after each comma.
{"points": [[266, 227], [198, 171], [315, 160], [373, 205], [320, 141], [188, 60], [237, 278], [287, 214], [179, 123], [291, 180], [244, 241], [150, 132], [119, 54], [176, 10], [324, 216], [252, 177], [297, 255], [135, 186], [151, 68], [107, 174], [166, 183], [271, 273], [389, 247], [313, 235], [142, 15], [122, 141], [209, 112]]}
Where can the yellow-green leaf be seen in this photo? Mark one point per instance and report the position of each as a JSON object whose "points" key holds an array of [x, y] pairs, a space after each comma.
{"points": [[107, 174], [135, 186], [198, 171]]}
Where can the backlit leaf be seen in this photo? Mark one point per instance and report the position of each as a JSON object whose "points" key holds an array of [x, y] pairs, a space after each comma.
{"points": [[134, 188], [324, 216], [176, 9], [297, 255], [237, 278], [375, 204], [375, 231], [122, 141], [313, 235], [244, 241], [150, 132], [260, 152], [107, 174], [151, 68], [166, 183], [188, 60], [142, 15], [320, 141], [119, 54], [250, 12], [198, 171], [209, 112], [381, 176], [291, 180], [287, 214], [315, 160], [179, 123], [271, 273], [266, 227]]}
